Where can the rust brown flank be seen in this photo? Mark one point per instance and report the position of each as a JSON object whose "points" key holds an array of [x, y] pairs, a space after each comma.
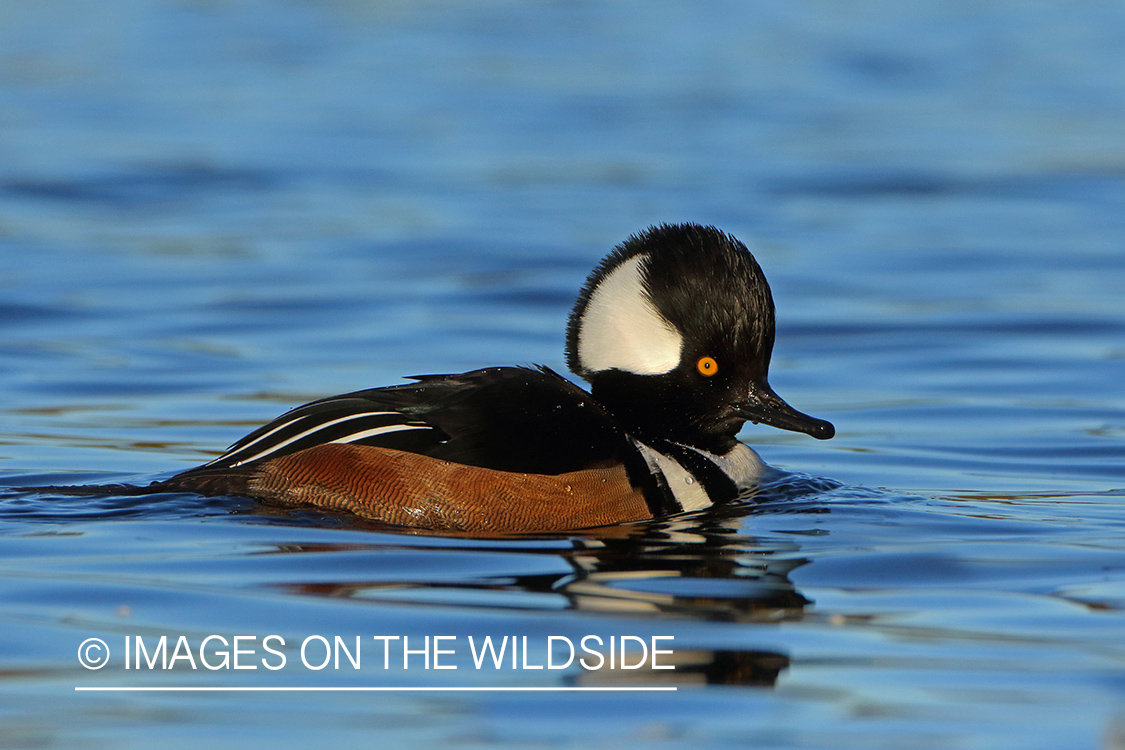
{"points": [[410, 489]]}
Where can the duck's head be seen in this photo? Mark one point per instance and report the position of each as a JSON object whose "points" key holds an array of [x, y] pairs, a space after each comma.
{"points": [[674, 332]]}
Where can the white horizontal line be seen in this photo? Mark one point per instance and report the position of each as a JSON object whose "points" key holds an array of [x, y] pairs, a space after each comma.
{"points": [[394, 427], [375, 689], [380, 431]]}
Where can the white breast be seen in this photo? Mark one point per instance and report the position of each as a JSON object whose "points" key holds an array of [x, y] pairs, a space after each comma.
{"points": [[740, 463], [688, 491]]}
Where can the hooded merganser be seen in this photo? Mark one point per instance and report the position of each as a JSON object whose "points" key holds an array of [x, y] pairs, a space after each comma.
{"points": [[673, 331]]}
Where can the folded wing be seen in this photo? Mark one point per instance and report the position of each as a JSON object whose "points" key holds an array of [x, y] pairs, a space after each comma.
{"points": [[505, 418]]}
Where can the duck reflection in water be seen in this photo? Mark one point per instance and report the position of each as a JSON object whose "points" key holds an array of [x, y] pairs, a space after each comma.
{"points": [[700, 567]]}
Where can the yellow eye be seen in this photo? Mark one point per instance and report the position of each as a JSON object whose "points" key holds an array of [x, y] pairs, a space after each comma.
{"points": [[707, 366]]}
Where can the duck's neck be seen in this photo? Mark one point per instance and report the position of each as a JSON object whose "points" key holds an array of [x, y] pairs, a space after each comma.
{"points": [[655, 411]]}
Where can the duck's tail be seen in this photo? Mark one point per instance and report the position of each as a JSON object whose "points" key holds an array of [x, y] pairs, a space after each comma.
{"points": [[200, 480], [95, 490]]}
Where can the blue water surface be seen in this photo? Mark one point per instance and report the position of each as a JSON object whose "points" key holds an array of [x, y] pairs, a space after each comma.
{"points": [[211, 212]]}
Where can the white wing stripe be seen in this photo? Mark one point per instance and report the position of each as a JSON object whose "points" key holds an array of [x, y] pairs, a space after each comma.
{"points": [[380, 431], [256, 440], [296, 419], [311, 430]]}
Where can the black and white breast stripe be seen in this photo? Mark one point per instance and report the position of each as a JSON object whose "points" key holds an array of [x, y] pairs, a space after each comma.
{"points": [[696, 478], [324, 422]]}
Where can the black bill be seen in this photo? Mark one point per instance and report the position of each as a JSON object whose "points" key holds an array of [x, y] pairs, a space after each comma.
{"points": [[766, 407]]}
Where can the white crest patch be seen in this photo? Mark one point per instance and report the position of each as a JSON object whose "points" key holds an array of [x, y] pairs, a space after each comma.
{"points": [[622, 329]]}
